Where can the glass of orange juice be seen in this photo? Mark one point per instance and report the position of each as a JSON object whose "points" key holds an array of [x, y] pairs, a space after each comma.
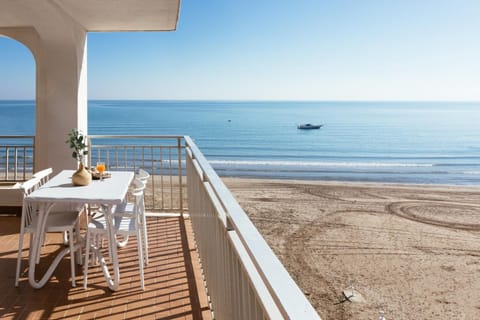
{"points": [[101, 169]]}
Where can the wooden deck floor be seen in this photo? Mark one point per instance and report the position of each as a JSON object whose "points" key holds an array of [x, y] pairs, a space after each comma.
{"points": [[173, 284]]}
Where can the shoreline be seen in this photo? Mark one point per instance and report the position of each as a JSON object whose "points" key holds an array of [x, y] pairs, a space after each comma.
{"points": [[355, 183], [410, 249], [353, 177]]}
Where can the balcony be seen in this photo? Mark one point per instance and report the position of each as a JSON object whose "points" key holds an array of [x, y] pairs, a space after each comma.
{"points": [[174, 285], [207, 258]]}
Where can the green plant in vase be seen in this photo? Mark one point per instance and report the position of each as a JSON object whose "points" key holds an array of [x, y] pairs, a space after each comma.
{"points": [[77, 142]]}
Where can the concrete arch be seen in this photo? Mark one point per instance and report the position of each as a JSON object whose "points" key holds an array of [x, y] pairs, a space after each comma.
{"points": [[27, 36]]}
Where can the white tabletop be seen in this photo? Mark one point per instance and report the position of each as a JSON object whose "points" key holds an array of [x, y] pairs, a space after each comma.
{"points": [[60, 188]]}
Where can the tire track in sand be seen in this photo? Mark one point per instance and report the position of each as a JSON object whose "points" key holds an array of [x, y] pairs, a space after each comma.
{"points": [[430, 212], [317, 284]]}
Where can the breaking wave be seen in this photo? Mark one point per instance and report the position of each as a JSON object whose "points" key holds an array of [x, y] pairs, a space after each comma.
{"points": [[317, 163]]}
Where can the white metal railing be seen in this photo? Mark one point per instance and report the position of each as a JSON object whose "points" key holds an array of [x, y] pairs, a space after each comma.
{"points": [[161, 156], [16, 157], [245, 280]]}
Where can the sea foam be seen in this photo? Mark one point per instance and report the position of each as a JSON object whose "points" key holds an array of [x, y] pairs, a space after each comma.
{"points": [[317, 163]]}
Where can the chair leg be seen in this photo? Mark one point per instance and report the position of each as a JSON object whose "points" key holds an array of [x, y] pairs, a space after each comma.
{"points": [[110, 255], [145, 238], [41, 244], [72, 255], [65, 238], [123, 243], [19, 258], [78, 239], [140, 258], [87, 260], [93, 240], [97, 242]]}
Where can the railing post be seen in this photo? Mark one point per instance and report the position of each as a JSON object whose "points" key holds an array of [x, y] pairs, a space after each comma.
{"points": [[125, 157], [7, 154], [180, 185], [34, 142], [15, 159], [116, 157], [89, 154], [152, 157], [24, 162]]}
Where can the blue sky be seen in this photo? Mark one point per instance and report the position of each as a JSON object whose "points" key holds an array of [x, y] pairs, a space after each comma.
{"points": [[283, 50]]}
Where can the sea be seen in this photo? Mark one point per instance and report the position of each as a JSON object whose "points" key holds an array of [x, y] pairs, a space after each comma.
{"points": [[391, 142]]}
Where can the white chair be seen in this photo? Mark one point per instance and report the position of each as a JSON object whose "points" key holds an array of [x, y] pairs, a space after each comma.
{"points": [[143, 176], [44, 176], [58, 220], [126, 223]]}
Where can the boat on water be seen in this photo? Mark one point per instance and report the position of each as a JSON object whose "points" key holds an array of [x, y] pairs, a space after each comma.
{"points": [[309, 126]]}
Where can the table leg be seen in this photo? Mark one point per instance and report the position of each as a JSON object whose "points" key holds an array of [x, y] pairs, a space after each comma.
{"points": [[36, 245], [113, 283], [48, 274]]}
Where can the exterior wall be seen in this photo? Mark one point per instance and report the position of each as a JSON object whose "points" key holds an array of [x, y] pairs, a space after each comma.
{"points": [[58, 45]]}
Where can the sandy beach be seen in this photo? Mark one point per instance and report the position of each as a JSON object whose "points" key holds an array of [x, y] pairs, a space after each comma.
{"points": [[410, 250]]}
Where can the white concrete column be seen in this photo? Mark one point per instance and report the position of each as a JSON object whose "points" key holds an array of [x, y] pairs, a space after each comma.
{"points": [[61, 102]]}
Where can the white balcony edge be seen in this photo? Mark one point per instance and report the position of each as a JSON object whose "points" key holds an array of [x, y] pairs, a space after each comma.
{"points": [[286, 294]]}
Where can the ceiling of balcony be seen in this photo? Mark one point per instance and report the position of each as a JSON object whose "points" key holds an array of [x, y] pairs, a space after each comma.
{"points": [[95, 15]]}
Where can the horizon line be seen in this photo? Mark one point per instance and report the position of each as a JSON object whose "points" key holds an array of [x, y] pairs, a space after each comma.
{"points": [[268, 100]]}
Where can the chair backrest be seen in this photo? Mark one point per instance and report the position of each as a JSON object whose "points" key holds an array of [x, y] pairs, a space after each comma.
{"points": [[43, 174], [137, 193], [138, 186], [27, 209], [143, 175], [30, 185]]}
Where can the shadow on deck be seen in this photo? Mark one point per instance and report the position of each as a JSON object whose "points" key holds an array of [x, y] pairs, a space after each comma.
{"points": [[173, 284]]}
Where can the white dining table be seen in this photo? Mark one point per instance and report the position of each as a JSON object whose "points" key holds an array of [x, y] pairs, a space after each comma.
{"points": [[107, 193]]}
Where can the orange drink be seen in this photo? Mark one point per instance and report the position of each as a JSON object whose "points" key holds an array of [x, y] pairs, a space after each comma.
{"points": [[101, 169]]}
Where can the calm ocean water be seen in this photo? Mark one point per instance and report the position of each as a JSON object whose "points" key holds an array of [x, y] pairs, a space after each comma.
{"points": [[410, 142]]}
